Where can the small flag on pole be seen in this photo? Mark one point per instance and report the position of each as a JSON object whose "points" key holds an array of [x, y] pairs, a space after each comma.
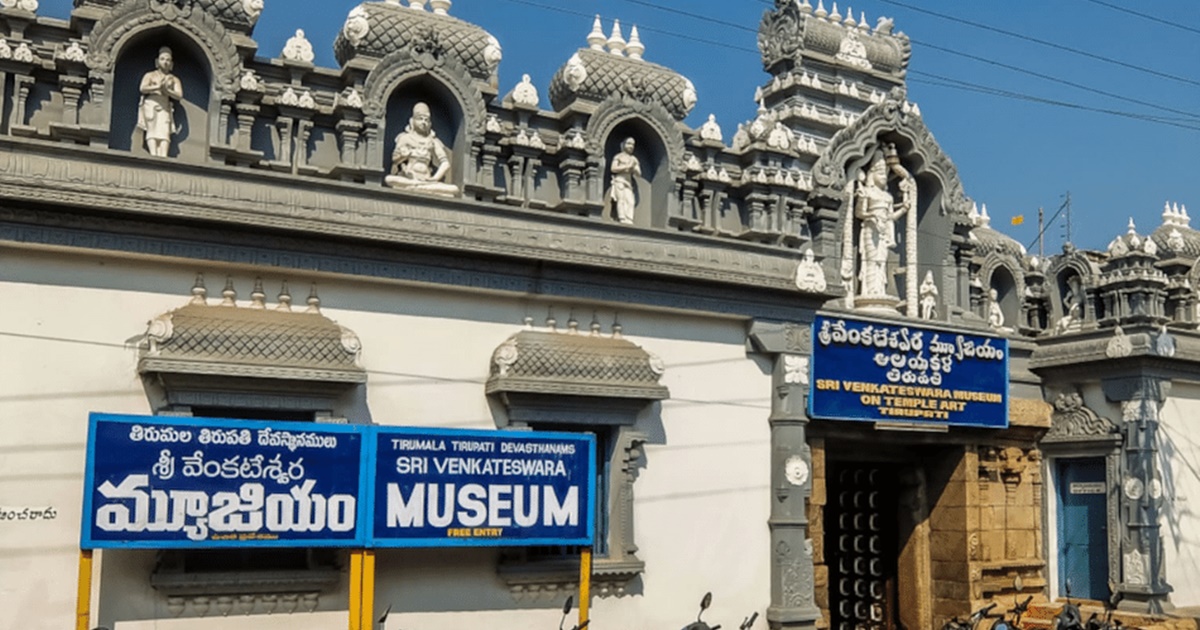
{"points": [[1018, 220]]}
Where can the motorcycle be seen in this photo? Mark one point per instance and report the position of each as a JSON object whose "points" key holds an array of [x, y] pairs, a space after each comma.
{"points": [[699, 624], [970, 623], [1017, 611]]}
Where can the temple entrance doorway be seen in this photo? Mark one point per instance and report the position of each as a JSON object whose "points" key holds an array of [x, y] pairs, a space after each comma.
{"points": [[862, 525], [1082, 486]]}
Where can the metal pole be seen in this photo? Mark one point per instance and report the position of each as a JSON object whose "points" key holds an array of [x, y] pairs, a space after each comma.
{"points": [[356, 590], [83, 597], [368, 590], [585, 584], [1041, 233]]}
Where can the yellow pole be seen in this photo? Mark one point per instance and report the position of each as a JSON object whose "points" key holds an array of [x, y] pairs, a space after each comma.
{"points": [[368, 590], [83, 597], [356, 572], [585, 583]]}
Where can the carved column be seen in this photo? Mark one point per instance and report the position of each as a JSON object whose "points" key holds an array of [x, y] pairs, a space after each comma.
{"points": [[793, 597], [1143, 581]]}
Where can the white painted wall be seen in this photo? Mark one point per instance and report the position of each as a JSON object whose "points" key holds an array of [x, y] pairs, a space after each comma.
{"points": [[1179, 453], [68, 333]]}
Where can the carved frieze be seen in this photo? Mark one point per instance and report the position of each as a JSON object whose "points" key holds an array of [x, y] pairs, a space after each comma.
{"points": [[1073, 421]]}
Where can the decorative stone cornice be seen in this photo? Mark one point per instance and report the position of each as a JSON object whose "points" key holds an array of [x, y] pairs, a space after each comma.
{"points": [[36, 174]]}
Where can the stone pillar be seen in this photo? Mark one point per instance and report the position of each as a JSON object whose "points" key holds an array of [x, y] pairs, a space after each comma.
{"points": [[793, 599], [1143, 584]]}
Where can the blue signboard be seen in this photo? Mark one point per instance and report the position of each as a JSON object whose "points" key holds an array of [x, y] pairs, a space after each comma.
{"points": [[202, 483], [891, 372], [448, 488]]}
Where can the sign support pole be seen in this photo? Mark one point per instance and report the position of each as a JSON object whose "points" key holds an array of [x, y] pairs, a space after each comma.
{"points": [[356, 590], [368, 590], [585, 584], [83, 601]]}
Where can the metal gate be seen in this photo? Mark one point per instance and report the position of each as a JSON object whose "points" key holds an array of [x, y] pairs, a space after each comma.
{"points": [[861, 530]]}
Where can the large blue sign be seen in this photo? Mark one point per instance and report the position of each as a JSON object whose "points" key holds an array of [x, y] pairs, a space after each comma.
{"points": [[446, 488], [891, 372], [198, 483]]}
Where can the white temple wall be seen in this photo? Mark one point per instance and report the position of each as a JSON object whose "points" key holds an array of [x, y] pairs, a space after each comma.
{"points": [[68, 346], [1179, 453]]}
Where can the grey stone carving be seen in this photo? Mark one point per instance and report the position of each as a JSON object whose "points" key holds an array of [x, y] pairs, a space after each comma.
{"points": [[156, 111], [420, 161], [1119, 346], [622, 190], [1072, 420]]}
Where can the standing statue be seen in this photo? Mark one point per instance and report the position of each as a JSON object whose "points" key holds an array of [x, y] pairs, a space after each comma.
{"points": [[877, 209], [156, 111], [624, 167], [929, 297], [995, 315], [420, 161]]}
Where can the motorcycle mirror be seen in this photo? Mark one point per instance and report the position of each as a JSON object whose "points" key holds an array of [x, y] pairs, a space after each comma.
{"points": [[569, 604], [384, 616], [704, 604]]}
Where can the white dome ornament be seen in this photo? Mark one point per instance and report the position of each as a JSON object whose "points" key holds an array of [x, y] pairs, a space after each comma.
{"points": [[689, 96], [357, 26], [575, 73], [796, 470], [525, 94], [253, 9], [493, 53], [298, 48], [710, 130]]}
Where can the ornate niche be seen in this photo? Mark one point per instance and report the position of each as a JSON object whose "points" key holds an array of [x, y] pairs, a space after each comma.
{"points": [[161, 97], [897, 212], [637, 179]]}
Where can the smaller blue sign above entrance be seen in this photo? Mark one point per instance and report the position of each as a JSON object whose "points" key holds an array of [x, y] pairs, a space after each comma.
{"points": [[890, 372], [448, 488]]}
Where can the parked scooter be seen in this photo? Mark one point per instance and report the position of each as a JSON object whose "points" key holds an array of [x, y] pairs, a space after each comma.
{"points": [[970, 623], [699, 624], [1095, 622], [1069, 618], [567, 606], [1012, 619]]}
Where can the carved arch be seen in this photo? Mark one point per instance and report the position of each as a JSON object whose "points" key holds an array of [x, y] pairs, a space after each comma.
{"points": [[853, 141], [994, 262], [1075, 262], [399, 67], [133, 17], [616, 110]]}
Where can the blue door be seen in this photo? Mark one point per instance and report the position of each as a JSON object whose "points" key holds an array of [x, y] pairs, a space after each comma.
{"points": [[1082, 527]]}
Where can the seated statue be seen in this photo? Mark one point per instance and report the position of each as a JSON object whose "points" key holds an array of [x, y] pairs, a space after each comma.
{"points": [[420, 161]]}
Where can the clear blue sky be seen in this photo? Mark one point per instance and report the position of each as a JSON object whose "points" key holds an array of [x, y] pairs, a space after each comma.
{"points": [[1014, 155]]}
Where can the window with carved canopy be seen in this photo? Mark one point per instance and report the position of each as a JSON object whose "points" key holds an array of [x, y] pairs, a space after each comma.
{"points": [[581, 383]]}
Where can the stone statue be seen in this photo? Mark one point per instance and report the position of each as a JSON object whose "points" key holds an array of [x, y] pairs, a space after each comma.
{"points": [[420, 161], [929, 297], [1071, 306], [156, 111], [624, 167], [877, 210], [995, 315]]}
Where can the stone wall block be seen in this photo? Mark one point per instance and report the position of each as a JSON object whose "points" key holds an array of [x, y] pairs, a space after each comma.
{"points": [[1020, 544]]}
